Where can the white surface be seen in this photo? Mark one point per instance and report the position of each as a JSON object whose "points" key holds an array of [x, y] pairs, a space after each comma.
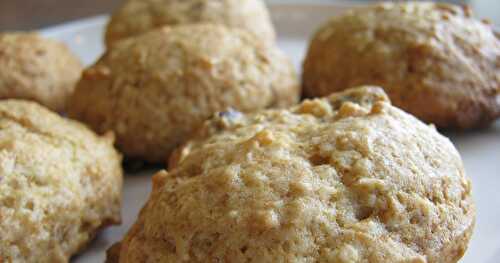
{"points": [[295, 23]]}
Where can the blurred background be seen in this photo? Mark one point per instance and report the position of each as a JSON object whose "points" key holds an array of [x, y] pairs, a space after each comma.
{"points": [[34, 14]]}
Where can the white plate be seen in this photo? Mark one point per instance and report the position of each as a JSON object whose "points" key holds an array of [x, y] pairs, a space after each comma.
{"points": [[295, 23]]}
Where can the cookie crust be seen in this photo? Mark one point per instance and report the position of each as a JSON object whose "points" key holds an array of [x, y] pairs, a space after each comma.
{"points": [[38, 69], [59, 184], [434, 60], [348, 178], [153, 91], [137, 17]]}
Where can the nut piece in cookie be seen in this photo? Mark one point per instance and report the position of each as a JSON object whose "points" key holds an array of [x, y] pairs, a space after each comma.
{"points": [[347, 178], [434, 60], [136, 17], [38, 69], [153, 91], [59, 184]]}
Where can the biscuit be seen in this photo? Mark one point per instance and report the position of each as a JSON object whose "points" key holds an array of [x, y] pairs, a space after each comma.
{"points": [[38, 69], [137, 17], [154, 90], [434, 60], [59, 184], [348, 178]]}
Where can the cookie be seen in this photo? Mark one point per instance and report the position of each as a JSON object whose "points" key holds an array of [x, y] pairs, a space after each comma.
{"points": [[434, 60], [59, 184], [38, 69], [137, 17], [153, 91], [348, 178]]}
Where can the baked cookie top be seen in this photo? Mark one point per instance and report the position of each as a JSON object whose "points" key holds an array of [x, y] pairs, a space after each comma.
{"points": [[435, 60], [139, 16], [156, 89], [36, 68], [59, 184], [347, 178]]}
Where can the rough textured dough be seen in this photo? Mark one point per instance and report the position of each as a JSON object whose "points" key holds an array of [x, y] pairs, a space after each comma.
{"points": [[139, 16], [348, 178], [59, 184], [434, 60], [38, 69], [153, 91]]}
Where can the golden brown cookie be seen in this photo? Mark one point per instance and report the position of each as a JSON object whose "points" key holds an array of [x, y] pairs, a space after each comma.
{"points": [[434, 60], [139, 16], [154, 90], [348, 178], [36, 68], [59, 184]]}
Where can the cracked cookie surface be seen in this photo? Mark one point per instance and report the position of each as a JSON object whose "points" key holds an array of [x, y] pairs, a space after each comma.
{"points": [[347, 178], [59, 184]]}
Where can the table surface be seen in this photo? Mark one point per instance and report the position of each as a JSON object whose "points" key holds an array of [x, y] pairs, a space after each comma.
{"points": [[34, 14]]}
